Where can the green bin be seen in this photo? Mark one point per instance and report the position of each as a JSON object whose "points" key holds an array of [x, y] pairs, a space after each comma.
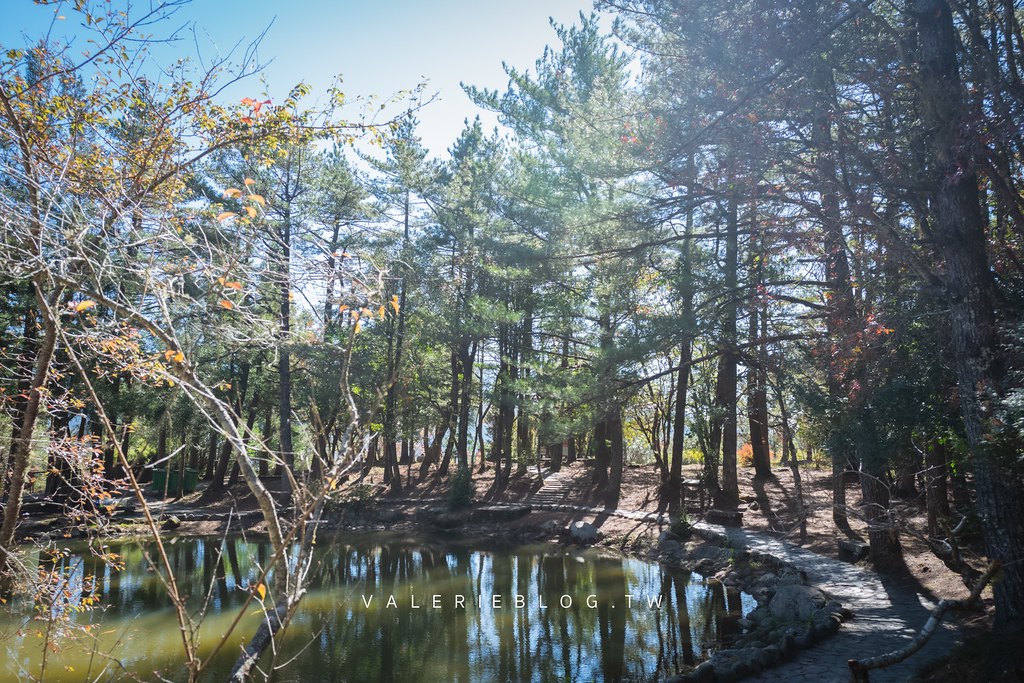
{"points": [[160, 479], [191, 480]]}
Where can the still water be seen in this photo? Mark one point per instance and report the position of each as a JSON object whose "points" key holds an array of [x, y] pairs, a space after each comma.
{"points": [[380, 608]]}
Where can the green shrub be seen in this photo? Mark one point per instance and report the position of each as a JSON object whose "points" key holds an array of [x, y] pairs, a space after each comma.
{"points": [[356, 499], [460, 494], [680, 525]]}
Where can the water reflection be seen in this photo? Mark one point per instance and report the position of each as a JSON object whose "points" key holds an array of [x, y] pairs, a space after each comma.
{"points": [[389, 608]]}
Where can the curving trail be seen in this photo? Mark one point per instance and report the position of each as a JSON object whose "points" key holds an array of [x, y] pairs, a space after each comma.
{"points": [[887, 612]]}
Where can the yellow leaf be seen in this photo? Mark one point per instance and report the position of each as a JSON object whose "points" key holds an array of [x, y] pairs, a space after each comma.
{"points": [[84, 305], [224, 216], [258, 199], [224, 303], [380, 312], [179, 357], [342, 308], [249, 181], [232, 192], [251, 211], [262, 590], [394, 302], [359, 326]]}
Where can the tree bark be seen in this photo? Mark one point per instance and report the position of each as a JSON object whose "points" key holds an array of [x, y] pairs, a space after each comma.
{"points": [[23, 444], [960, 239], [727, 369], [842, 310]]}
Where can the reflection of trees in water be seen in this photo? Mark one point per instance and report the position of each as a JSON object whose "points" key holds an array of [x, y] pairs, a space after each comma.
{"points": [[349, 641], [611, 586]]}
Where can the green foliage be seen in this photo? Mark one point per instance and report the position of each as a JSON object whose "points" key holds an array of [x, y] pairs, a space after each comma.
{"points": [[680, 525], [460, 494]]}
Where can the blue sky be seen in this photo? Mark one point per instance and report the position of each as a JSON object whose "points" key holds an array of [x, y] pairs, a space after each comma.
{"points": [[378, 47]]}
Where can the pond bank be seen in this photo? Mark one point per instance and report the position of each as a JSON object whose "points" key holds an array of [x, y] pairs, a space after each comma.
{"points": [[886, 611]]}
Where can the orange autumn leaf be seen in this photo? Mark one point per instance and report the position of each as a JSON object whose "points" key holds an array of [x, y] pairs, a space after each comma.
{"points": [[258, 199], [84, 305], [232, 192], [262, 590], [394, 302], [224, 303], [225, 215], [249, 181], [251, 211], [233, 285]]}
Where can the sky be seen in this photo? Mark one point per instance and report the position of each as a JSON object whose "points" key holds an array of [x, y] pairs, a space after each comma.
{"points": [[379, 48]]}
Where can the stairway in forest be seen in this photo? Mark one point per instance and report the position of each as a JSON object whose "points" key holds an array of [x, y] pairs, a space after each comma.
{"points": [[557, 490]]}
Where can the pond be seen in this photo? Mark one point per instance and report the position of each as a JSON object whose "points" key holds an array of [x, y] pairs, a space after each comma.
{"points": [[381, 608]]}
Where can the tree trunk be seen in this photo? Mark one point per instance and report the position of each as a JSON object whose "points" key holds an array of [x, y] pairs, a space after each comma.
{"points": [[23, 444], [616, 457], [211, 457], [467, 357], [959, 233], [883, 535], [284, 365], [25, 373], [674, 490], [757, 398], [842, 310], [524, 353], [217, 481], [727, 369], [675, 478]]}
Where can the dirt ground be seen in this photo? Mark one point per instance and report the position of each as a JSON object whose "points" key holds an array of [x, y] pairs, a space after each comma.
{"points": [[775, 509]]}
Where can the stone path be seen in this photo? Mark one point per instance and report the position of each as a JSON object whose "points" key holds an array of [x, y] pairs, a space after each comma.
{"points": [[887, 614]]}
